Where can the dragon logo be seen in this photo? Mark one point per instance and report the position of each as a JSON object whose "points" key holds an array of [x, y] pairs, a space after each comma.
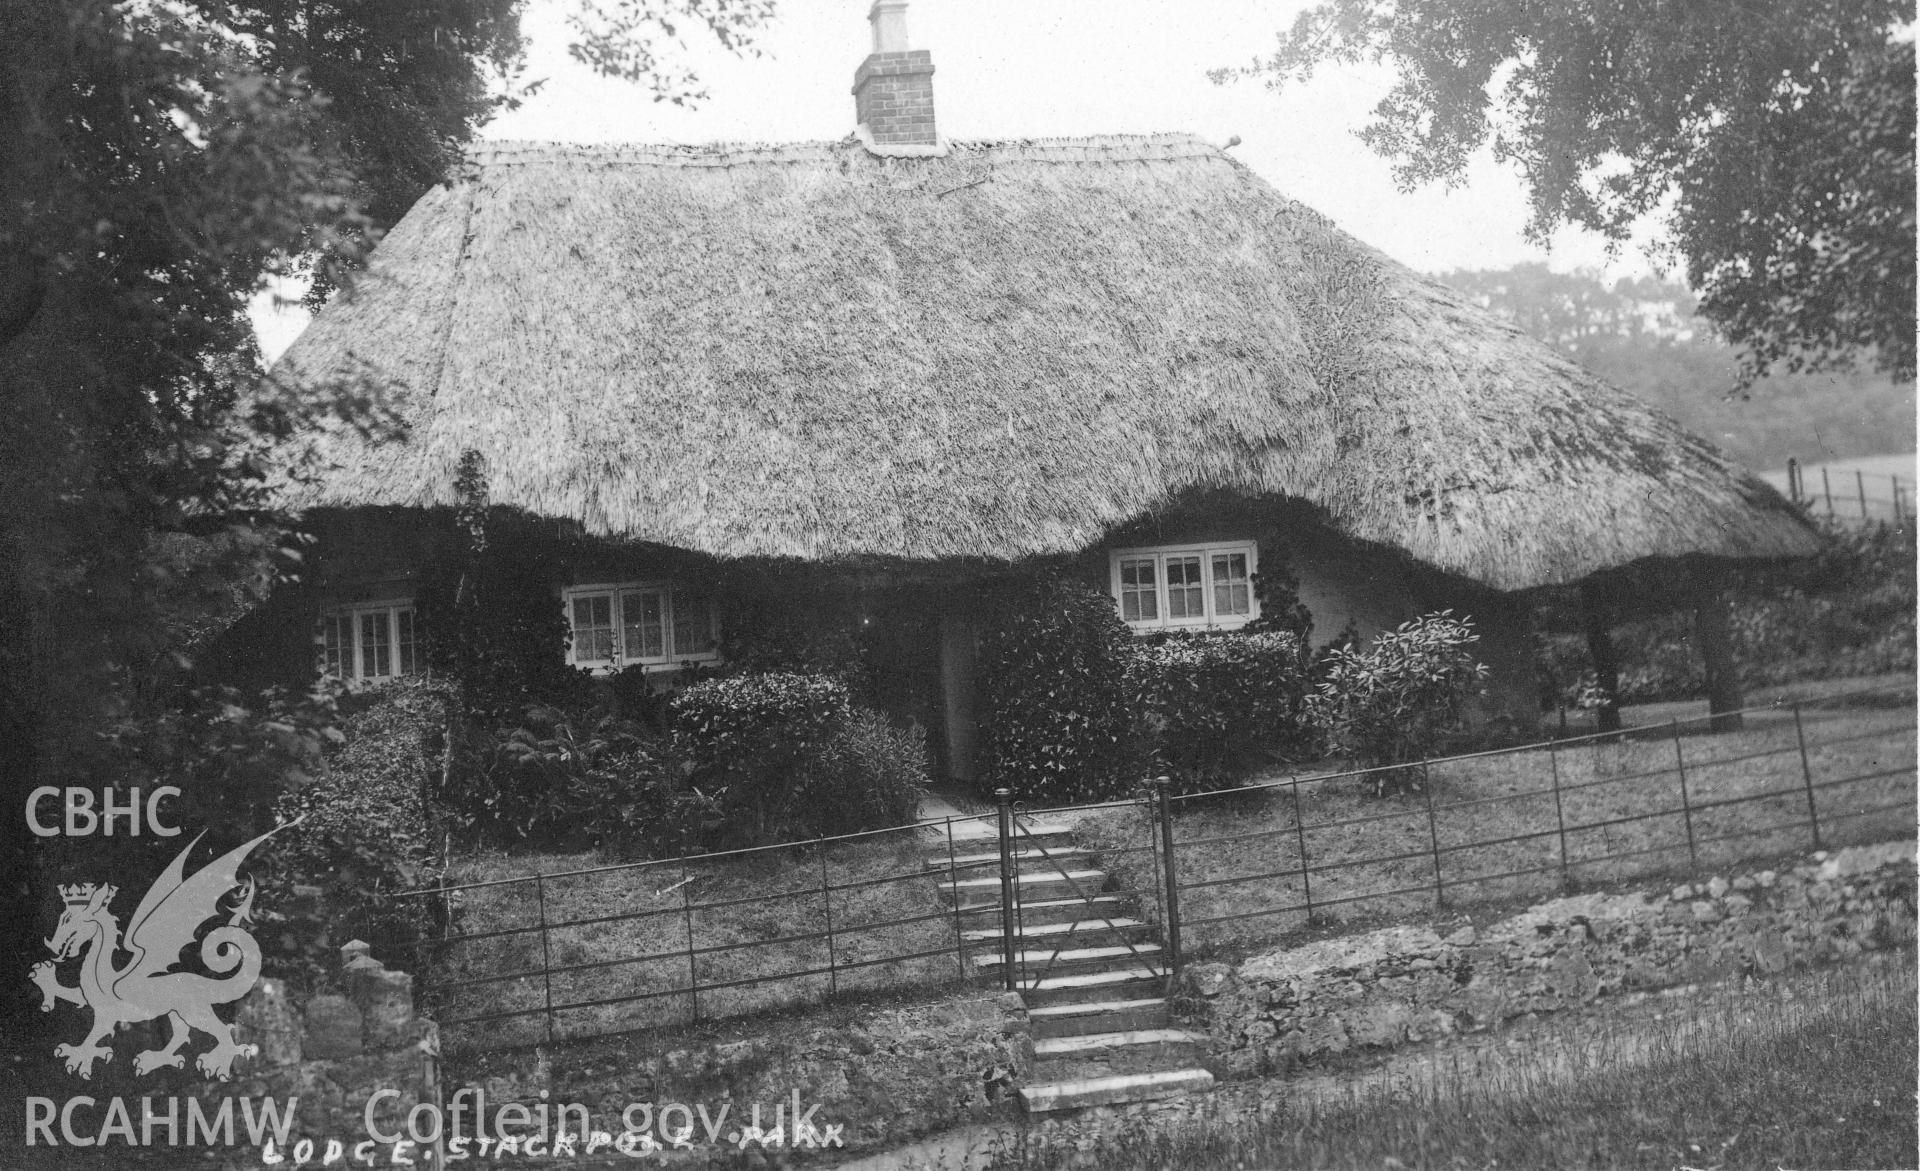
{"points": [[172, 912]]}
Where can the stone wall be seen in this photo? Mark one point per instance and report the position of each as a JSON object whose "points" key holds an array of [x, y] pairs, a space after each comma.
{"points": [[1408, 984], [884, 1074], [333, 1053]]}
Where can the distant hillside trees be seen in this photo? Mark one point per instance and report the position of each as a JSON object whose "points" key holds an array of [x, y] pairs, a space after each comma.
{"points": [[1644, 335]]}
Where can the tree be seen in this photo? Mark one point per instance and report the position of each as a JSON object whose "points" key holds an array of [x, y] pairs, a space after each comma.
{"points": [[1777, 137], [158, 162]]}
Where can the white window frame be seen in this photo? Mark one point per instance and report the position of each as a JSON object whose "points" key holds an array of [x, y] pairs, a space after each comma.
{"points": [[354, 651], [616, 593], [1209, 619]]}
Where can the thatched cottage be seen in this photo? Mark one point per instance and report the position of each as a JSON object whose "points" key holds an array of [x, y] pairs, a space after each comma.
{"points": [[902, 362]]}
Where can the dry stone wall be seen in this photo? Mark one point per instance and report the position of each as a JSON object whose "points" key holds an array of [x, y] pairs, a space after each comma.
{"points": [[1408, 984], [331, 1054], [880, 1074]]}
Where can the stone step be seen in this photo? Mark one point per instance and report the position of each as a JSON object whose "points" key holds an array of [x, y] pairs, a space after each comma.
{"points": [[1025, 858], [1131, 982], [1062, 959], [979, 829], [1048, 885], [1115, 1090], [1098, 1016], [1090, 1055], [1088, 931], [1042, 912]]}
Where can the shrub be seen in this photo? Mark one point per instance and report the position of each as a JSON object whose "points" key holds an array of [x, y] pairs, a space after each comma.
{"points": [[634, 800], [1401, 696], [873, 774], [1056, 713], [565, 781], [365, 833], [789, 756], [794, 627], [1217, 704]]}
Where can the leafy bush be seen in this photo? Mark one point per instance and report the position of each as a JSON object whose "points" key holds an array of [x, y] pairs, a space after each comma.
{"points": [[1056, 713], [794, 627], [872, 775], [789, 756], [364, 834], [566, 781], [1400, 697], [1216, 704]]}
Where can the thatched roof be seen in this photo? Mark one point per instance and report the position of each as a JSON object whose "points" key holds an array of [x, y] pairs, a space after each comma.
{"points": [[811, 351]]}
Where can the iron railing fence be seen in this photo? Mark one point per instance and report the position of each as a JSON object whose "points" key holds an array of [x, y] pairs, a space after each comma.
{"points": [[540, 957], [535, 958], [1268, 860]]}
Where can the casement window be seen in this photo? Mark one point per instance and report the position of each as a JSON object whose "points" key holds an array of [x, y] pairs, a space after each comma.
{"points": [[370, 643], [1187, 586], [643, 624]]}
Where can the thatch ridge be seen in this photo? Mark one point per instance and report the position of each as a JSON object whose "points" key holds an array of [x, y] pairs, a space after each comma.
{"points": [[805, 350]]}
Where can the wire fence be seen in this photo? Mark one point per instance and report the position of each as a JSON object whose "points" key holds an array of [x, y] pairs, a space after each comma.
{"points": [[528, 959], [1850, 493]]}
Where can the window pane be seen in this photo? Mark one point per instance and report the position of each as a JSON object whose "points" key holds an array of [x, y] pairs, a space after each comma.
{"points": [[593, 628], [692, 625], [376, 645], [1139, 601], [644, 635], [1186, 597], [1232, 593], [403, 625], [335, 645]]}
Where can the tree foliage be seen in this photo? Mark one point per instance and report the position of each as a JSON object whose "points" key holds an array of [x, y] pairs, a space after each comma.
{"points": [[159, 162], [1776, 136]]}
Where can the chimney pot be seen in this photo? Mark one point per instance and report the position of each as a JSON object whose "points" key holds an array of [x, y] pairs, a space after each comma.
{"points": [[889, 21]]}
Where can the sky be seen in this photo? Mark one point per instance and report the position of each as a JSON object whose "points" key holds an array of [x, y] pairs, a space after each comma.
{"points": [[1041, 68]]}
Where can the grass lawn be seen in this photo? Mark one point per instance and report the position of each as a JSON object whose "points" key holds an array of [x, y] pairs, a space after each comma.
{"points": [[1803, 1072], [1499, 830], [624, 932]]}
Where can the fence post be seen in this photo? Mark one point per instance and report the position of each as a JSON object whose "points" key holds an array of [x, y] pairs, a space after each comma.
{"points": [[826, 900], [1300, 832], [1165, 813], [1559, 813], [1806, 774], [1433, 834], [546, 959], [686, 915], [1860, 484], [1793, 479], [1826, 489], [1686, 803], [1894, 483], [959, 923], [1008, 928]]}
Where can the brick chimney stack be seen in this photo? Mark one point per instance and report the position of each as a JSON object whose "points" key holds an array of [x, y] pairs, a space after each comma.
{"points": [[893, 88]]}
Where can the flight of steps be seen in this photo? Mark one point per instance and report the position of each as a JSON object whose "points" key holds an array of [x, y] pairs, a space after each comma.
{"points": [[1101, 1034]]}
